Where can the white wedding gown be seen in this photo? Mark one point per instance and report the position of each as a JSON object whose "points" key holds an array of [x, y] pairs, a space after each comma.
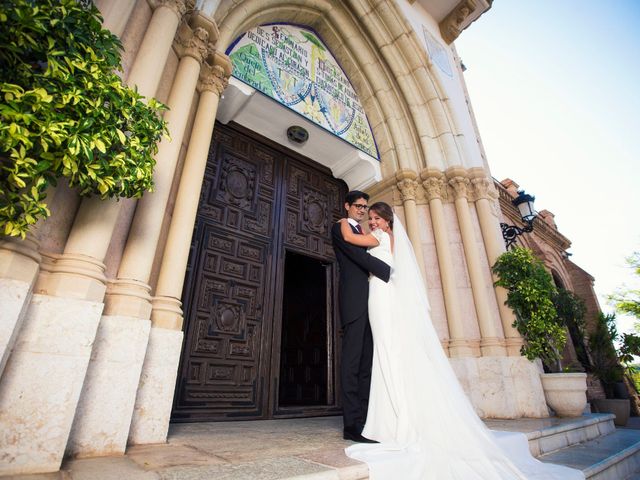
{"points": [[426, 426]]}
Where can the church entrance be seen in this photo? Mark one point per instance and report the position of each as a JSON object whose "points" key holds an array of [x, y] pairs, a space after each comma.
{"points": [[260, 297]]}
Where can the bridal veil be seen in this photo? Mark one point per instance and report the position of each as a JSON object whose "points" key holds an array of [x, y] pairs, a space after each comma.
{"points": [[438, 436]]}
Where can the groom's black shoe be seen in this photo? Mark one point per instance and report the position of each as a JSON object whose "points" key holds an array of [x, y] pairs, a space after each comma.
{"points": [[353, 434]]}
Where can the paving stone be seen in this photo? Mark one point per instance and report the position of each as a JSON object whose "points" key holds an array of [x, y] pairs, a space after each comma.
{"points": [[272, 469]]}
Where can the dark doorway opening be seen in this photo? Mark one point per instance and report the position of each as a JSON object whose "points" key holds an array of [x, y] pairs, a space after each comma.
{"points": [[305, 332]]}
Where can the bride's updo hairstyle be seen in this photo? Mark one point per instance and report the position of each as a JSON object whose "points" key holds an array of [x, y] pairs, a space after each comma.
{"points": [[384, 210]]}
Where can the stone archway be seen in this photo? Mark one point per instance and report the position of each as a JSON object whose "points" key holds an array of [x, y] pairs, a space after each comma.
{"points": [[384, 60]]}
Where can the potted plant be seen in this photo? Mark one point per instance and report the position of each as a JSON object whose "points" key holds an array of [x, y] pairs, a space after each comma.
{"points": [[66, 113], [609, 365], [531, 294]]}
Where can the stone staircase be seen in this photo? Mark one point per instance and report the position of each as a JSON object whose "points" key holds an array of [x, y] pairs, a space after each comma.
{"points": [[590, 443]]}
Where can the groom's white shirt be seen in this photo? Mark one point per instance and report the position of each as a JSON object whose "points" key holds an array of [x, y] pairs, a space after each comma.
{"points": [[352, 222]]}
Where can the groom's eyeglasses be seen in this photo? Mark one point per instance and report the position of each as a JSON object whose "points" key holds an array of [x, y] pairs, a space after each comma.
{"points": [[360, 206]]}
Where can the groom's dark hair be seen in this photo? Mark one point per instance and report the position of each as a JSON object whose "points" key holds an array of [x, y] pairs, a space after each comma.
{"points": [[354, 195]]}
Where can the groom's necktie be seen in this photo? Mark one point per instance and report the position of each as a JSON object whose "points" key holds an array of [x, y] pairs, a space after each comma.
{"points": [[359, 229]]}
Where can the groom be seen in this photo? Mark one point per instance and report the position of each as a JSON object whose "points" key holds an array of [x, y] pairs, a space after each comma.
{"points": [[357, 343]]}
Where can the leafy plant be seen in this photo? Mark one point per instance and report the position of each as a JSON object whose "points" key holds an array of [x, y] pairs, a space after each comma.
{"points": [[531, 292], [65, 111], [571, 311], [604, 357]]}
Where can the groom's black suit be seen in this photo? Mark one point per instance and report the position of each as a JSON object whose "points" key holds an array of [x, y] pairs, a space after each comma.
{"points": [[357, 341]]}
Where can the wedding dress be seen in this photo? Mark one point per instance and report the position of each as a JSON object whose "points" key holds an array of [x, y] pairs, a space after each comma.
{"points": [[426, 426]]}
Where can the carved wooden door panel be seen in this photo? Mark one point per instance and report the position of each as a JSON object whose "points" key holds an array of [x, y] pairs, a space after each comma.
{"points": [[229, 288], [258, 204]]}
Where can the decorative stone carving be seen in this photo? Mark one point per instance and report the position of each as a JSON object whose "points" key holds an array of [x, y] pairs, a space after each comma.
{"points": [[213, 78], [180, 7], [453, 24], [482, 188], [192, 42], [408, 189], [460, 186], [434, 188]]}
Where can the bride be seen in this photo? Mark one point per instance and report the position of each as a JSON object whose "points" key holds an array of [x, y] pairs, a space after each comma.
{"points": [[426, 426]]}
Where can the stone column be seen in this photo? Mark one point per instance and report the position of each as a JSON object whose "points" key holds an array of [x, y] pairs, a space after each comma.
{"points": [[213, 80], [79, 273], [408, 186], [492, 342], [53, 348], [123, 332], [494, 246], [115, 14], [153, 404], [156, 45], [130, 293], [435, 189]]}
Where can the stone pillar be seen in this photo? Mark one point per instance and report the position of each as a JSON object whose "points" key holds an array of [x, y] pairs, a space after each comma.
{"points": [[153, 404], [115, 14], [130, 295], [407, 185], [79, 273], [435, 189], [43, 378], [494, 246], [123, 332], [492, 342], [156, 44]]}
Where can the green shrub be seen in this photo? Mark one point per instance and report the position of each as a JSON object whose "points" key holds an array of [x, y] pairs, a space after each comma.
{"points": [[65, 111], [531, 294]]}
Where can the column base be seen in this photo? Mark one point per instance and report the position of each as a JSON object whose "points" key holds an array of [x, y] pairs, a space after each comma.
{"points": [[42, 381], [19, 259], [128, 298], [502, 387], [103, 416], [464, 348], [493, 347], [74, 276], [150, 422], [513, 346], [167, 313]]}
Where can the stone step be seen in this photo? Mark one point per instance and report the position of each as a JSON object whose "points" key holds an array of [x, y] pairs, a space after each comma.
{"points": [[610, 457], [547, 435]]}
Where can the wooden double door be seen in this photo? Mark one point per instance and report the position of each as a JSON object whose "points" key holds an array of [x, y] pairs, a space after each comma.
{"points": [[261, 288]]}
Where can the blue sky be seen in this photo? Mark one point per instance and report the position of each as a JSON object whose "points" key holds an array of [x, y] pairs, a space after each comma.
{"points": [[555, 85]]}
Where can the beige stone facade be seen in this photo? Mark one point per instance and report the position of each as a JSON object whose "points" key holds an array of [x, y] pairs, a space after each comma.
{"points": [[91, 302]]}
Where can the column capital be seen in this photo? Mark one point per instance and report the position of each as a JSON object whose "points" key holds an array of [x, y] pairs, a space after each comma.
{"points": [[215, 73], [482, 188], [408, 189], [460, 186], [435, 188], [179, 7], [191, 42]]}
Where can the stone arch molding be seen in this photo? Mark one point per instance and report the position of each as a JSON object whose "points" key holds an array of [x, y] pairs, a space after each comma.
{"points": [[384, 61]]}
